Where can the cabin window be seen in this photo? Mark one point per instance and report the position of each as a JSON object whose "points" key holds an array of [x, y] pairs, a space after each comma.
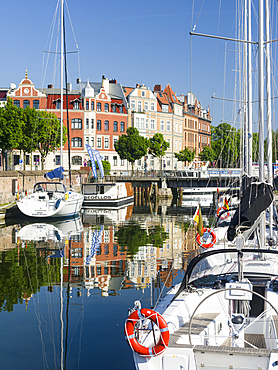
{"points": [[26, 103], [115, 126], [36, 104], [76, 123], [76, 160], [76, 142], [122, 127], [101, 189], [17, 103]]}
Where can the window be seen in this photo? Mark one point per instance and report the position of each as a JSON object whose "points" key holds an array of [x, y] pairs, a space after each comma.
{"points": [[115, 126], [132, 104], [106, 158], [147, 123], [76, 104], [115, 139], [106, 107], [92, 142], [115, 161], [76, 160], [169, 142], [57, 160], [165, 108], [139, 106], [98, 124], [114, 110], [106, 143], [106, 125], [87, 141], [76, 142], [99, 107], [26, 103], [87, 123], [143, 93], [27, 159], [76, 123], [99, 142], [16, 159], [92, 105], [36, 158], [168, 126], [162, 127], [146, 105], [17, 103], [122, 127], [122, 162], [152, 106], [142, 123], [58, 104], [152, 124], [87, 105], [121, 109], [92, 123], [36, 104], [137, 122]]}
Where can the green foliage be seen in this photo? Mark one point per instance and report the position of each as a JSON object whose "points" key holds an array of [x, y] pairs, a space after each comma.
{"points": [[131, 146], [207, 154], [157, 145], [132, 236], [106, 166], [22, 273], [185, 155]]}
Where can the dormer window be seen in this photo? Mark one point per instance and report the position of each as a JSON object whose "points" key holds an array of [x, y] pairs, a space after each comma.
{"points": [[58, 104], [165, 108], [76, 104]]}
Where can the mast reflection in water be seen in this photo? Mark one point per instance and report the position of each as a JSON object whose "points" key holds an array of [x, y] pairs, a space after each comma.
{"points": [[65, 286]]}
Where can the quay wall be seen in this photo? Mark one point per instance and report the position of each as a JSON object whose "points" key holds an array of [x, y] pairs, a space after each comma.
{"points": [[13, 181]]}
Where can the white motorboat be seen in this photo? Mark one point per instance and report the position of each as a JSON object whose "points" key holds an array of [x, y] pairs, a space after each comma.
{"points": [[50, 199], [107, 194]]}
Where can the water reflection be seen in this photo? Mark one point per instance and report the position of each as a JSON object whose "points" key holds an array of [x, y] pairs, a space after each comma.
{"points": [[61, 268]]}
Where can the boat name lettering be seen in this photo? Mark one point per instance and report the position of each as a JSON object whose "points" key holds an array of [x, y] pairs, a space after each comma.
{"points": [[98, 197]]}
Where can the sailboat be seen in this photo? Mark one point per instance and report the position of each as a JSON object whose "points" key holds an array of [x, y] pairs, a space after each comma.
{"points": [[51, 199], [223, 315]]}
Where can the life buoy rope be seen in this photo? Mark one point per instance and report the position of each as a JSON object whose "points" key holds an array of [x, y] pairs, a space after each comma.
{"points": [[156, 318], [206, 245]]}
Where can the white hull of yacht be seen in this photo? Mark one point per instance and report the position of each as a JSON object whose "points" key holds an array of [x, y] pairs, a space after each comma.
{"points": [[50, 204]]}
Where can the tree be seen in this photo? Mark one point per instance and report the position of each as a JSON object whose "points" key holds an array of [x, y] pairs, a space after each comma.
{"points": [[157, 145], [185, 155], [207, 154], [131, 146], [11, 122], [47, 134], [131, 237]]}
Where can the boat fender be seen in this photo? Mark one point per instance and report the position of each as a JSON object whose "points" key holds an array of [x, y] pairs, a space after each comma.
{"points": [[206, 245], [66, 196], [57, 203], [156, 318]]}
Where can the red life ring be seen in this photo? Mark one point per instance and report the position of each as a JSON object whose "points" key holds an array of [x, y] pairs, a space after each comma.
{"points": [[207, 245], [221, 209], [155, 317]]}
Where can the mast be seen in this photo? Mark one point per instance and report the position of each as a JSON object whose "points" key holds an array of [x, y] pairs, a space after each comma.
{"points": [[261, 109], [245, 119], [250, 129], [268, 101], [62, 81]]}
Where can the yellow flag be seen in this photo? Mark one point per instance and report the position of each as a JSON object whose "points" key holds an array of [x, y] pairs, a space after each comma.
{"points": [[226, 204], [199, 220]]}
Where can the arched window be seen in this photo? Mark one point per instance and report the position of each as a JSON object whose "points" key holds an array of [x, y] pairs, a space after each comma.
{"points": [[26, 103], [76, 160], [76, 123], [115, 126], [106, 107], [76, 142], [17, 103], [36, 104], [98, 124], [106, 125], [99, 107], [92, 105], [122, 128]]}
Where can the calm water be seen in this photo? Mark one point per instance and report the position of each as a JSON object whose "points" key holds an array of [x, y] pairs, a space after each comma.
{"points": [[66, 286]]}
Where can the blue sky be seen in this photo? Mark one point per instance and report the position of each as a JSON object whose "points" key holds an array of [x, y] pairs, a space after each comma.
{"points": [[145, 42]]}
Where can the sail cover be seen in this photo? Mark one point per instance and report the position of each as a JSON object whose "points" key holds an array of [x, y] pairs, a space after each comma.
{"points": [[57, 173], [256, 198]]}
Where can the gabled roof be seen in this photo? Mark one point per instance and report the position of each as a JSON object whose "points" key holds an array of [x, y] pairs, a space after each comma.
{"points": [[171, 95], [162, 100]]}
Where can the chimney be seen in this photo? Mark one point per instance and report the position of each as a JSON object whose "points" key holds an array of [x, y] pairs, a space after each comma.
{"points": [[137, 86], [114, 81], [50, 86], [157, 88]]}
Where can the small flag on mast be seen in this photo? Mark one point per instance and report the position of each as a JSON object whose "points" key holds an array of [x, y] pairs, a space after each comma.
{"points": [[199, 220], [226, 204]]}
